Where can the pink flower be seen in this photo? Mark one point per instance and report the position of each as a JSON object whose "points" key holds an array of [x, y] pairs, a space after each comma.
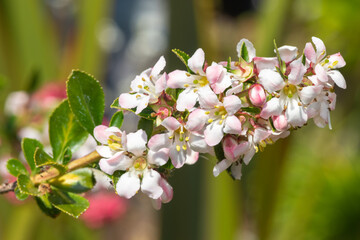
{"points": [[145, 88], [183, 145]]}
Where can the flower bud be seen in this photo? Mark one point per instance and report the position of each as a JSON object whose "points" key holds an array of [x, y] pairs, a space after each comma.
{"points": [[257, 95], [280, 122]]}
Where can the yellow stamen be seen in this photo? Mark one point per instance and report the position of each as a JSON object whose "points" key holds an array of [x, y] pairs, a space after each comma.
{"points": [[139, 86], [188, 74], [210, 120], [220, 122], [186, 85], [115, 138], [115, 146], [178, 148], [187, 139], [138, 96], [222, 116], [184, 147], [143, 79], [207, 112]]}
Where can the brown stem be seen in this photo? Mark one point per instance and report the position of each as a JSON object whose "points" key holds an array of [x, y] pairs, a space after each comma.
{"points": [[7, 187], [53, 172], [73, 165]]}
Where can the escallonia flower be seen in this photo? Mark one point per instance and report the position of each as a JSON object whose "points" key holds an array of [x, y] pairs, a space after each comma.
{"points": [[146, 88], [182, 143], [128, 152]]}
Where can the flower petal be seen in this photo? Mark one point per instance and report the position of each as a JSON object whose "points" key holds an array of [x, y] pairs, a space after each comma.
{"points": [[307, 94], [236, 170], [295, 114], [196, 120], [232, 104], [337, 61], [321, 73], [297, 72], [197, 61], [118, 162], [186, 100], [310, 53], [128, 185], [158, 67], [171, 124], [232, 125], [221, 166], [127, 100], [160, 84], [271, 80], [159, 141], [271, 108], [136, 142], [287, 53], [167, 191], [178, 78], [159, 157], [178, 158], [198, 144], [338, 78], [150, 184], [214, 133], [191, 156], [262, 63], [101, 135], [320, 48], [104, 151], [218, 78], [207, 98]]}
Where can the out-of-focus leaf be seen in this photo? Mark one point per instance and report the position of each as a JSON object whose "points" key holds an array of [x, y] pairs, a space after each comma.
{"points": [[19, 195], [69, 203], [15, 167], [26, 186], [86, 99], [78, 181], [219, 152], [147, 126], [47, 208], [65, 132], [253, 110]]}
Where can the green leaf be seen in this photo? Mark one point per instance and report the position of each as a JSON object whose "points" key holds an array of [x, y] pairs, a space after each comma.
{"points": [[43, 159], [117, 119], [184, 57], [86, 99], [219, 152], [253, 110], [15, 167], [26, 186], [78, 181], [65, 132], [46, 206], [67, 202], [29, 146], [19, 195], [116, 104], [147, 126], [244, 52]]}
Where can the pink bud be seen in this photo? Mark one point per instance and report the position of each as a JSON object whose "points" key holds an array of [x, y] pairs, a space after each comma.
{"points": [[257, 95], [280, 122]]}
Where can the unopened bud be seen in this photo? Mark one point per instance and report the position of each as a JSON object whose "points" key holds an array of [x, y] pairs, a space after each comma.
{"points": [[257, 95], [280, 122]]}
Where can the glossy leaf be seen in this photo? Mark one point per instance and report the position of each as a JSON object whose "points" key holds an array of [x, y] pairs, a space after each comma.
{"points": [[117, 119], [29, 146], [184, 57], [43, 159], [15, 167], [67, 202], [78, 181], [26, 186], [147, 126], [86, 99], [65, 132], [46, 206]]}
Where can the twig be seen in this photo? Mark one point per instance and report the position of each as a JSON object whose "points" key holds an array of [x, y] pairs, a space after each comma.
{"points": [[53, 172], [7, 187]]}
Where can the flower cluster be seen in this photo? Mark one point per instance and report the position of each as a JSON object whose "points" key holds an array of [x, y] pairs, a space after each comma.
{"points": [[236, 106]]}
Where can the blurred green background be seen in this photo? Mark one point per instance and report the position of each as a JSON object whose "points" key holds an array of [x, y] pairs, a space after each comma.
{"points": [[304, 187]]}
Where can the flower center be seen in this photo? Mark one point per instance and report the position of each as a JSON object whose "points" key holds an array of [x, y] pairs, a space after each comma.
{"points": [[290, 90], [140, 163], [202, 81], [114, 142]]}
